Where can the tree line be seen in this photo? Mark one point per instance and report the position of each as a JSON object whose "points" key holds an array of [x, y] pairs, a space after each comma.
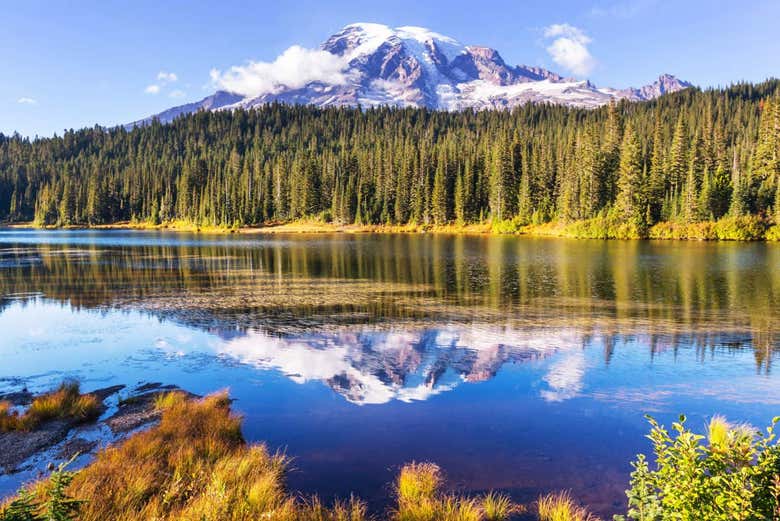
{"points": [[687, 157]]}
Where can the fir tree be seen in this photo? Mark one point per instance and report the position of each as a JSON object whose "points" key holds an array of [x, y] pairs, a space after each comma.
{"points": [[630, 197]]}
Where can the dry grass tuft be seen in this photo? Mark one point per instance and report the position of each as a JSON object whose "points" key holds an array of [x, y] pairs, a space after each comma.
{"points": [[66, 402], [314, 510], [562, 507], [8, 420], [498, 507], [418, 490]]}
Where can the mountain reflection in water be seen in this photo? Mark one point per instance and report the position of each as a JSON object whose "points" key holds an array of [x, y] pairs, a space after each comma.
{"points": [[357, 353]]}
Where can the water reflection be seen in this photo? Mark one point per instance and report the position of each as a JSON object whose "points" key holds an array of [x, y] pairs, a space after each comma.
{"points": [[376, 367], [643, 286], [337, 345]]}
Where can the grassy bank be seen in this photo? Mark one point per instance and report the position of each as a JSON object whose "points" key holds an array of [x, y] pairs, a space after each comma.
{"points": [[195, 466], [746, 228]]}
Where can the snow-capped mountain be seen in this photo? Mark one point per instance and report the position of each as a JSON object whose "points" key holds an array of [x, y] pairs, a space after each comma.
{"points": [[414, 66]]}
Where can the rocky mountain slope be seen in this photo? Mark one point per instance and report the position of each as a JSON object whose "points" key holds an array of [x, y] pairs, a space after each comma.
{"points": [[413, 66]]}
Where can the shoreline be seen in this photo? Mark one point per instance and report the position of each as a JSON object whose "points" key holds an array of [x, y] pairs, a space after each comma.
{"points": [[700, 231]]}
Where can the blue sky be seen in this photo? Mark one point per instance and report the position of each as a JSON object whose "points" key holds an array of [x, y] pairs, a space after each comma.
{"points": [[76, 64]]}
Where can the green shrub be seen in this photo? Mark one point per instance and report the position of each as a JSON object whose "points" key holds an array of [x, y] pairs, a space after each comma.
{"points": [[508, 226], [729, 474], [773, 233], [702, 231], [607, 225], [743, 228], [48, 502]]}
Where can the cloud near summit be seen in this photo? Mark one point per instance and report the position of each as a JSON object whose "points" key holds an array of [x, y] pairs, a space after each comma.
{"points": [[294, 68], [569, 48]]}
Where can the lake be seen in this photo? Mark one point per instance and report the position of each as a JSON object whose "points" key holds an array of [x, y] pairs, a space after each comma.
{"points": [[517, 364]]}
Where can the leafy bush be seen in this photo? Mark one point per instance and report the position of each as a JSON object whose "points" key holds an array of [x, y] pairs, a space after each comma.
{"points": [[508, 226], [743, 228], [773, 233], [732, 474], [702, 231]]}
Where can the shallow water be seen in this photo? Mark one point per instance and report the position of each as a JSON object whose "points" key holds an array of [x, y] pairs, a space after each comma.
{"points": [[518, 364]]}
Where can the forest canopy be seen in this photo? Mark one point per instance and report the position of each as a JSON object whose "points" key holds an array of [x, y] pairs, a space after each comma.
{"points": [[686, 157]]}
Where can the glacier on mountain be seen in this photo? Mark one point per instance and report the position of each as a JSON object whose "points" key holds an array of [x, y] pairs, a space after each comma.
{"points": [[369, 64]]}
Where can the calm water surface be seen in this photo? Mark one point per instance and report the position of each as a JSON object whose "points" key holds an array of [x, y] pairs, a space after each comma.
{"points": [[524, 365]]}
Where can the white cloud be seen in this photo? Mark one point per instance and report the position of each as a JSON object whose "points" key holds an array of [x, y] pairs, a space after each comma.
{"points": [[27, 101], [166, 77], [569, 48], [177, 94], [294, 68], [152, 89]]}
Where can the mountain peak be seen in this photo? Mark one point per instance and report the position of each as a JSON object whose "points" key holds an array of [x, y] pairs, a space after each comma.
{"points": [[415, 66]]}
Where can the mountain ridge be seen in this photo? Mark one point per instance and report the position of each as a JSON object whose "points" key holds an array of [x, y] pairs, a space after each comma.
{"points": [[414, 66]]}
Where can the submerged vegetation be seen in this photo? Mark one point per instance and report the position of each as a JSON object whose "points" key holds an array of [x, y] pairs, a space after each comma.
{"points": [[66, 402], [689, 159], [195, 465]]}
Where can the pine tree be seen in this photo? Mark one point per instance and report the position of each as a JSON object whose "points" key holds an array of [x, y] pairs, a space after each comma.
{"points": [[440, 197], [657, 182], [765, 163], [500, 181], [460, 200], [611, 152], [630, 199], [59, 505], [737, 206], [588, 160], [678, 155], [720, 192], [704, 204], [24, 507], [691, 208]]}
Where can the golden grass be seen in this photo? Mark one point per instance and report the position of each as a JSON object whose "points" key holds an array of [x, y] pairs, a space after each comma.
{"points": [[193, 466], [562, 507], [8, 421], [66, 402], [498, 507], [419, 494]]}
